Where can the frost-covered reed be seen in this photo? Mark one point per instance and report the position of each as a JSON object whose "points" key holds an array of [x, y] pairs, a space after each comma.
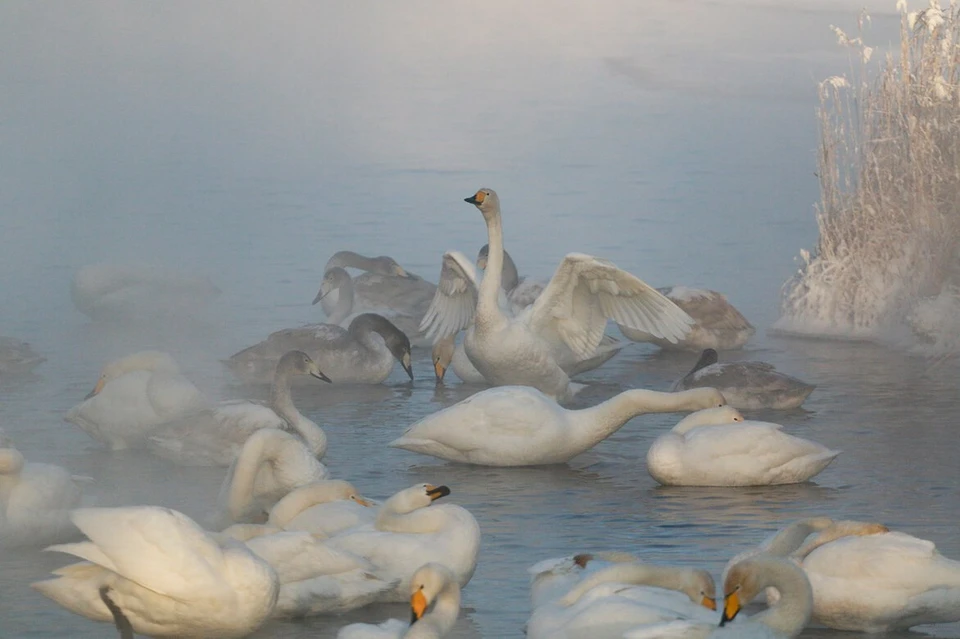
{"points": [[889, 169]]}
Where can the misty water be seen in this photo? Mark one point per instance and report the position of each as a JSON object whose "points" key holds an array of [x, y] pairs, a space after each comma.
{"points": [[250, 141]]}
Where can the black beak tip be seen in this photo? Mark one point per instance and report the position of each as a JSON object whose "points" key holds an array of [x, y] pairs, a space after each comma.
{"points": [[470, 200], [413, 617], [89, 395], [439, 491], [322, 377], [409, 370]]}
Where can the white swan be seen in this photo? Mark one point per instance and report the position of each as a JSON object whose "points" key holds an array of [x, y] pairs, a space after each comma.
{"points": [[746, 385], [583, 293], [323, 508], [552, 578], [718, 324], [521, 291], [868, 579], [384, 284], [520, 426], [17, 358], [434, 606], [339, 303], [154, 571], [410, 532], [35, 500], [271, 463], [784, 541], [364, 353], [214, 436], [134, 395], [716, 447], [110, 292], [314, 577], [614, 599], [744, 581]]}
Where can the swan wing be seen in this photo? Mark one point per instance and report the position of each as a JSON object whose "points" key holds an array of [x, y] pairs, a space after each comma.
{"points": [[671, 630], [296, 556], [710, 309], [455, 300], [585, 291]]}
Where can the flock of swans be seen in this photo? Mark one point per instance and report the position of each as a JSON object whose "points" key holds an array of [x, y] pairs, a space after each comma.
{"points": [[289, 541]]}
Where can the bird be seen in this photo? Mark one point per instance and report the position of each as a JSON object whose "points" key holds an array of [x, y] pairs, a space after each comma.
{"points": [[17, 358], [322, 508]]}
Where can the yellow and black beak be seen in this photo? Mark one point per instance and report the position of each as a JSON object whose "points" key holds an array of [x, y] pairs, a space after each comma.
{"points": [[439, 369], [436, 492], [731, 606], [476, 199], [418, 606], [709, 603], [96, 389], [407, 366]]}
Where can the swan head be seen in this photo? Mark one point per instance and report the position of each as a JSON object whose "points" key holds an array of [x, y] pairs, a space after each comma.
{"points": [[700, 587], [427, 583], [487, 201], [385, 265], [153, 361], [396, 340], [442, 354], [299, 363], [334, 279], [416, 497], [708, 357], [747, 578]]}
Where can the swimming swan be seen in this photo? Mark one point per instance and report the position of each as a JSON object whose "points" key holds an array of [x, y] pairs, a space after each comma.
{"points": [[718, 324], [133, 396], [154, 571], [521, 426], [746, 385], [35, 500], [322, 508], [715, 447], [384, 284], [745, 580], [364, 353], [869, 579], [214, 436], [583, 293], [410, 532], [434, 607], [17, 358], [614, 599], [271, 463]]}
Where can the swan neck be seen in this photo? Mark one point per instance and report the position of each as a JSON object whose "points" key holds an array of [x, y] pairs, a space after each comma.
{"points": [[792, 537], [629, 573], [446, 609], [792, 612], [242, 478], [344, 305], [487, 300], [422, 520], [603, 419], [838, 531], [281, 401], [347, 259]]}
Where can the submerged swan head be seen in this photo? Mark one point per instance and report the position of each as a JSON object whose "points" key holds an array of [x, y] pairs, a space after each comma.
{"points": [[442, 355], [708, 417], [415, 498], [427, 583], [153, 361], [299, 363], [487, 201], [747, 578]]}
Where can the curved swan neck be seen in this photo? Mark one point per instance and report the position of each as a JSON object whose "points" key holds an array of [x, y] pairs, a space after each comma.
{"points": [[839, 530], [421, 520], [488, 306], [629, 573], [446, 609], [242, 479], [281, 401], [349, 259], [793, 610], [343, 307], [304, 497], [792, 536], [598, 422]]}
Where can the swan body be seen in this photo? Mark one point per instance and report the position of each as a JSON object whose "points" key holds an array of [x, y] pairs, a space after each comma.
{"points": [[134, 395], [872, 580], [271, 463], [717, 323], [746, 385], [745, 580], [716, 447], [364, 353], [434, 606], [616, 598], [214, 437], [17, 358], [322, 508], [384, 284], [573, 310], [552, 578], [521, 426], [410, 532], [35, 500], [166, 576], [118, 292]]}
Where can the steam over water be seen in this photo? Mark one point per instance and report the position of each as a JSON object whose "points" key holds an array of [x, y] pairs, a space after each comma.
{"points": [[249, 141]]}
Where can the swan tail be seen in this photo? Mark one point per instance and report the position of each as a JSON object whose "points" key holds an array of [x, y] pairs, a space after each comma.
{"points": [[77, 588]]}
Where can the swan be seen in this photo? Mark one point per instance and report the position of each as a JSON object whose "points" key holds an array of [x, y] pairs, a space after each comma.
{"points": [[323, 508], [35, 499], [552, 578], [384, 284], [364, 353], [718, 324], [434, 607], [314, 578], [746, 580], [17, 358], [213, 437], [521, 292], [746, 385], [614, 599], [154, 571], [583, 293], [784, 541], [337, 287], [130, 291], [870, 579], [134, 395], [271, 463], [409, 532], [715, 447], [521, 426]]}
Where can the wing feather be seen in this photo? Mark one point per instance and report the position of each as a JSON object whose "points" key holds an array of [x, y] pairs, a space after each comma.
{"points": [[452, 307]]}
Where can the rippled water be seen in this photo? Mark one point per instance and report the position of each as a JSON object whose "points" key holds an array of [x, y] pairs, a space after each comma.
{"points": [[250, 141]]}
